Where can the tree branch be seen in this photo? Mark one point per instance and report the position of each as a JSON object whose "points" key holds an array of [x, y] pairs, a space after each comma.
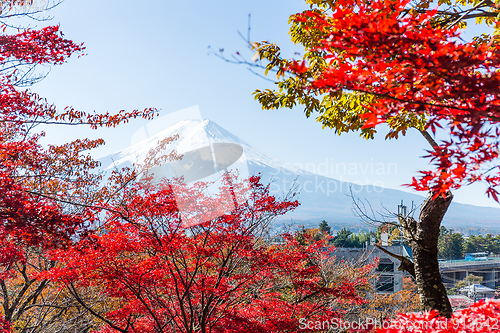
{"points": [[406, 264], [429, 139]]}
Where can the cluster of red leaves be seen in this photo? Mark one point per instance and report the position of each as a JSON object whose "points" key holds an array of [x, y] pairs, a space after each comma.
{"points": [[413, 66], [47, 47], [218, 276], [481, 317], [43, 192], [5, 326], [25, 217], [44, 46]]}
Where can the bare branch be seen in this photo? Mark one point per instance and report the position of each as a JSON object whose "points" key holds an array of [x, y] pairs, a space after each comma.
{"points": [[360, 209]]}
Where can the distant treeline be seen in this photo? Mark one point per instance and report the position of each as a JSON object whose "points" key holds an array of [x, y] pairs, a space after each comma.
{"points": [[451, 244], [343, 238]]}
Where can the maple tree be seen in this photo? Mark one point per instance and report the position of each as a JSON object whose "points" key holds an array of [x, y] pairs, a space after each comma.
{"points": [[218, 276], [64, 266], [385, 62], [377, 307], [46, 194]]}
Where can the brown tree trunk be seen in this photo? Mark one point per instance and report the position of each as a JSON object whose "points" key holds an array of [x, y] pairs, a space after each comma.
{"points": [[431, 290]]}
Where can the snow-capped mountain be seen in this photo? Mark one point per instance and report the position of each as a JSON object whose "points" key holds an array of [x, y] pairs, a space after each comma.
{"points": [[320, 197], [193, 134]]}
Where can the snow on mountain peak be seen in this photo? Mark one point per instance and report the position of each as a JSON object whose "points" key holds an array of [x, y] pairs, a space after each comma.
{"points": [[193, 134]]}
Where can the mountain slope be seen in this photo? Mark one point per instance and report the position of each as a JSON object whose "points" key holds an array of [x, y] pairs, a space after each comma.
{"points": [[320, 197]]}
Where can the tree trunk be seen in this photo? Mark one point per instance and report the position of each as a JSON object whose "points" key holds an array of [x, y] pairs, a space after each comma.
{"points": [[431, 290]]}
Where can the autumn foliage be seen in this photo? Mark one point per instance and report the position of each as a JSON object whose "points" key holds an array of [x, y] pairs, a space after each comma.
{"points": [[78, 254], [220, 276], [402, 66], [380, 62], [483, 316], [47, 194], [29, 214]]}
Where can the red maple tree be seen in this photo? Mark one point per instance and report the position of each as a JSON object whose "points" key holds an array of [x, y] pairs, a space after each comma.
{"points": [[26, 214], [46, 194], [219, 276], [414, 67], [373, 62]]}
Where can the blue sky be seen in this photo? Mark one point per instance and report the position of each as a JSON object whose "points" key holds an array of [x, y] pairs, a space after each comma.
{"points": [[155, 54]]}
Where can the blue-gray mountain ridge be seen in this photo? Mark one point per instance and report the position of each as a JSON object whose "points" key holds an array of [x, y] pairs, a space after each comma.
{"points": [[320, 197]]}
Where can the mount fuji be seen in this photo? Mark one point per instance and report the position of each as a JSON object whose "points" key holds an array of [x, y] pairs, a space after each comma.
{"points": [[320, 197]]}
